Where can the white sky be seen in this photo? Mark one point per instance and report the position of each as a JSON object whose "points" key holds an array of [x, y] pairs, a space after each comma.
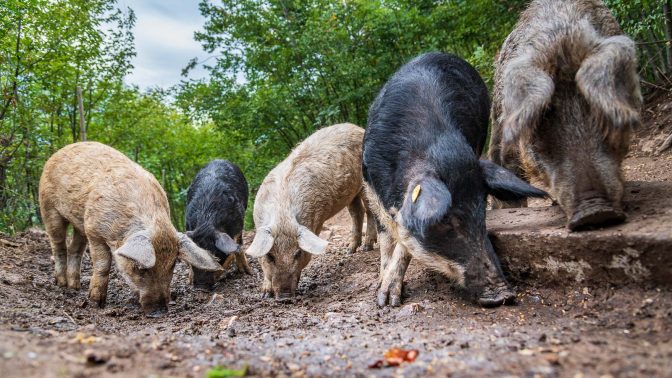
{"points": [[164, 41]]}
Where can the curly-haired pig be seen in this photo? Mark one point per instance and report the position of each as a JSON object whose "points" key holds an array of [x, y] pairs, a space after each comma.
{"points": [[120, 210], [321, 176]]}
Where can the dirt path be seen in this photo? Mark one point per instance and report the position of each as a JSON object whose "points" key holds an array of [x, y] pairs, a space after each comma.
{"points": [[334, 326]]}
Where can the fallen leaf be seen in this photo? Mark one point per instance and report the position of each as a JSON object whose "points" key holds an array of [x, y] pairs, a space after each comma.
{"points": [[222, 372], [395, 357]]}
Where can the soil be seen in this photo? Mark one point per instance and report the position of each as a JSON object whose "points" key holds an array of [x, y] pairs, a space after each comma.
{"points": [[333, 327]]}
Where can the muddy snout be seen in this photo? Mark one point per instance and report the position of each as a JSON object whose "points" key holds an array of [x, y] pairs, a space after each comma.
{"points": [[284, 296], [155, 310], [593, 212], [203, 280], [496, 296]]}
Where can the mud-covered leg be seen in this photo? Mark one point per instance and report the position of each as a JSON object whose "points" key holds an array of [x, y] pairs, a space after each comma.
{"points": [[356, 209], [101, 260], [371, 233], [386, 246], [393, 277], [241, 259], [56, 227], [75, 252]]}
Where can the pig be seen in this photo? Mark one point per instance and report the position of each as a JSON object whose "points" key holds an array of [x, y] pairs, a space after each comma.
{"points": [[321, 176], [565, 101], [120, 210], [427, 187], [215, 216]]}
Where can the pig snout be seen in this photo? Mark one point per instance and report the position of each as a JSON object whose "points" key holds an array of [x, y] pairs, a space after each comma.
{"points": [[154, 306], [156, 310], [594, 210], [202, 280], [496, 295], [485, 279]]}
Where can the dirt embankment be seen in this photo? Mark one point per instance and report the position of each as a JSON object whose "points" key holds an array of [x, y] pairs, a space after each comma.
{"points": [[334, 326]]}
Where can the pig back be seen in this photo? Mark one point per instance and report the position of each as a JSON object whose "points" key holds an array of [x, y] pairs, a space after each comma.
{"points": [[97, 188], [319, 178]]}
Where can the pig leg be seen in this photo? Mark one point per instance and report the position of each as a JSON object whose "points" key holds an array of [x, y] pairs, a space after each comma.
{"points": [[101, 260], [75, 251], [371, 233], [241, 259], [56, 227], [386, 244], [391, 281], [357, 211]]}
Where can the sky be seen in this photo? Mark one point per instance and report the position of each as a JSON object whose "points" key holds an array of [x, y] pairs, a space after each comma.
{"points": [[164, 41]]}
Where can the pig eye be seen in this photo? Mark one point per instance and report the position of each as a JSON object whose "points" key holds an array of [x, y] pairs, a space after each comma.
{"points": [[270, 258], [297, 255]]}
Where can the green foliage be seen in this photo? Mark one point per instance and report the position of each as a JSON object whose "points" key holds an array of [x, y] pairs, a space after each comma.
{"points": [[644, 21], [281, 70], [285, 68], [222, 372]]}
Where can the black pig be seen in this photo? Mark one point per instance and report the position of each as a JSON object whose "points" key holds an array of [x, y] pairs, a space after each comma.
{"points": [[216, 204], [427, 186]]}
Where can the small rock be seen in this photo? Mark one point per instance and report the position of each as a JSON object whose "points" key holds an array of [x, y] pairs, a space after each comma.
{"points": [[7, 355], [95, 357], [464, 345], [552, 358]]}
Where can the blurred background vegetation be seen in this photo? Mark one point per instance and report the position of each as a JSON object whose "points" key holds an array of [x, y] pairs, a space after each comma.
{"points": [[280, 69]]}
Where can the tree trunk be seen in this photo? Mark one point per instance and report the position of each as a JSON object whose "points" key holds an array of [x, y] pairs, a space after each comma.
{"points": [[82, 123], [668, 32]]}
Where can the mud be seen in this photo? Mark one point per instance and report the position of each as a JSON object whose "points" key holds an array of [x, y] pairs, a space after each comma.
{"points": [[332, 328]]}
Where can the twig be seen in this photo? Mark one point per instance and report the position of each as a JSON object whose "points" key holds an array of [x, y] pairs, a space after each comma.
{"points": [[666, 144], [655, 86], [654, 42], [70, 317], [9, 243]]}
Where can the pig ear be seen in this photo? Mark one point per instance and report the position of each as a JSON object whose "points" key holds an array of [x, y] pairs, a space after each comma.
{"points": [[190, 234], [506, 186], [310, 242], [262, 243], [608, 81], [426, 202], [138, 247], [196, 256], [527, 92], [225, 244]]}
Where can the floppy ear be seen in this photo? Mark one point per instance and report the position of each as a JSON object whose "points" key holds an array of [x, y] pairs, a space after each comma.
{"points": [[138, 247], [310, 242], [426, 202], [196, 256], [262, 243], [224, 243], [506, 186], [527, 92], [608, 81]]}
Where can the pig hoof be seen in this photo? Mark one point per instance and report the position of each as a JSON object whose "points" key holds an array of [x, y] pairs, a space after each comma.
{"points": [[156, 313], [74, 284], [385, 297], [97, 298], [266, 295], [497, 299], [595, 213], [61, 282], [368, 246]]}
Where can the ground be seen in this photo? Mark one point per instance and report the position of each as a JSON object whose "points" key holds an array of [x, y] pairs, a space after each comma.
{"points": [[334, 327]]}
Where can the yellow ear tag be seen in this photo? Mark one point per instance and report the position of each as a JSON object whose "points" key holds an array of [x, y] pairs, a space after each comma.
{"points": [[416, 193]]}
